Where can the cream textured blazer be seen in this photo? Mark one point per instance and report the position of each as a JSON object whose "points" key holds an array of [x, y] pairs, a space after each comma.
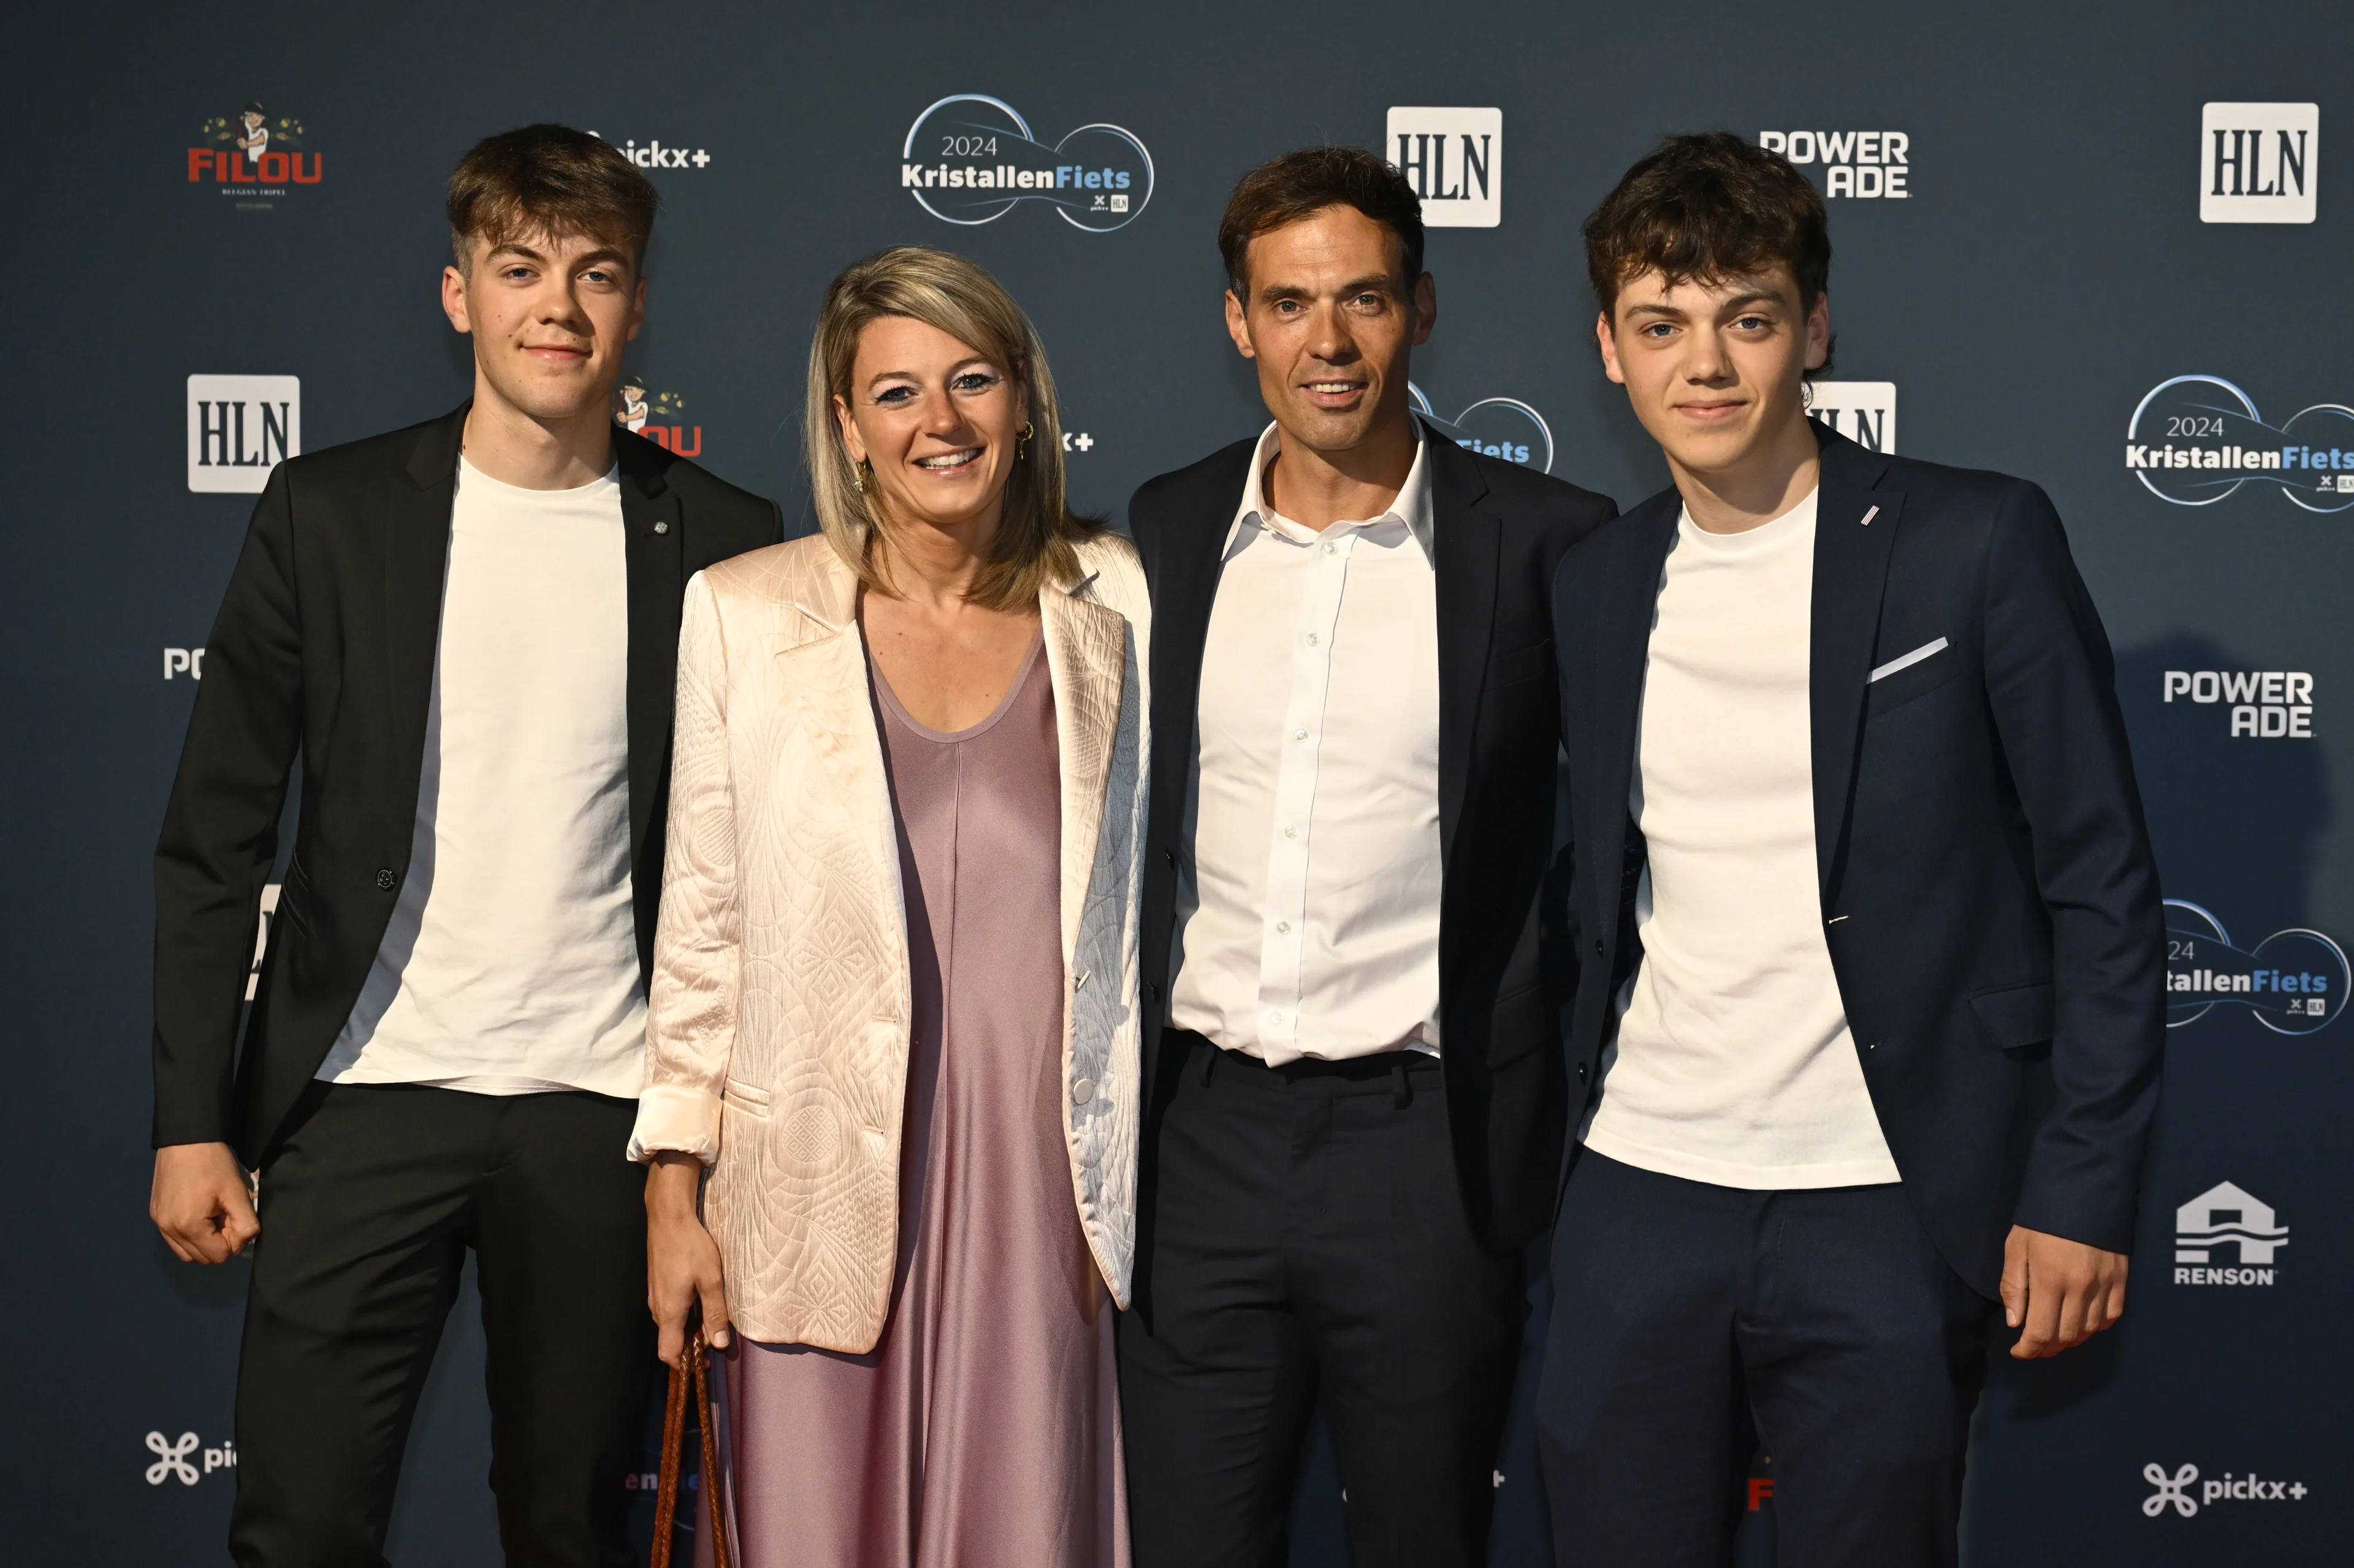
{"points": [[781, 1008]]}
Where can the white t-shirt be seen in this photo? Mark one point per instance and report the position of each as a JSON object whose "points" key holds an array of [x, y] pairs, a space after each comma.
{"points": [[511, 962], [1733, 1063]]}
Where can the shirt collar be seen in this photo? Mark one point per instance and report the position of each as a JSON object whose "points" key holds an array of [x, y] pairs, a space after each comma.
{"points": [[1412, 506]]}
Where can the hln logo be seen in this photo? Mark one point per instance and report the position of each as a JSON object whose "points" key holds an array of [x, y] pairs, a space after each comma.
{"points": [[1454, 158], [239, 428], [1863, 411], [2259, 163]]}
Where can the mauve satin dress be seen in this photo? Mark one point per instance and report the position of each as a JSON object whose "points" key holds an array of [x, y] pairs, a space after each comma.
{"points": [[983, 1430]]}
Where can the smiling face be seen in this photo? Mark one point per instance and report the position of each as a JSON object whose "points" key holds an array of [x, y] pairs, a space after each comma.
{"points": [[1715, 370], [1331, 322], [934, 423], [550, 318]]}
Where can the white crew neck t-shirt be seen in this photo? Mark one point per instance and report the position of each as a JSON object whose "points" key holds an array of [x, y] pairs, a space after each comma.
{"points": [[511, 962], [1733, 1063]]}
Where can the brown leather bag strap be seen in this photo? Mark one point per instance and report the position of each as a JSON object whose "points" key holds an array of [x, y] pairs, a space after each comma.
{"points": [[674, 1442]]}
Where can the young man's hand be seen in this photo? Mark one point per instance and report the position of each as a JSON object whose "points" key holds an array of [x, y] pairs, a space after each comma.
{"points": [[201, 1203], [2059, 1293], [681, 1260]]}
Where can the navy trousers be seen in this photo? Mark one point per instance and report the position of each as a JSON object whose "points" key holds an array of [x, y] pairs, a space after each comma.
{"points": [[1684, 1311]]}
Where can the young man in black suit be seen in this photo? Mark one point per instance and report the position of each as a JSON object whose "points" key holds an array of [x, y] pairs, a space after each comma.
{"points": [[1354, 1093], [1870, 933], [466, 629]]}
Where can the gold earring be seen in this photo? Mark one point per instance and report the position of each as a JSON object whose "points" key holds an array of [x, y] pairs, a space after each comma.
{"points": [[1021, 440], [858, 477]]}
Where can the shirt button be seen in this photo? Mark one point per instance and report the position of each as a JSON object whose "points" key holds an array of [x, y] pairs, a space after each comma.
{"points": [[1300, 735], [385, 881], [1312, 640], [1329, 548], [1082, 1090], [1291, 832], [1282, 927], [1275, 1018]]}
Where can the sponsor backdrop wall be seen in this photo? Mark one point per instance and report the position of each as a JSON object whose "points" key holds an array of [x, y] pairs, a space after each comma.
{"points": [[2098, 246]]}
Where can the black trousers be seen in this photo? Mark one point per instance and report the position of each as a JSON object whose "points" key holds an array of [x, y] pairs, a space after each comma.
{"points": [[1308, 1234], [367, 1210], [1683, 1310]]}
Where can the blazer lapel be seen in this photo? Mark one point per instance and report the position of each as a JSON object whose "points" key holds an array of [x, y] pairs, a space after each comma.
{"points": [[1467, 544], [653, 550], [1855, 529], [1621, 632], [1183, 590], [416, 566], [1086, 653]]}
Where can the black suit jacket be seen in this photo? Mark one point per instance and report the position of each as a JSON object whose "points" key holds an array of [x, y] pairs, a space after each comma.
{"points": [[324, 645], [1990, 904], [1496, 531]]}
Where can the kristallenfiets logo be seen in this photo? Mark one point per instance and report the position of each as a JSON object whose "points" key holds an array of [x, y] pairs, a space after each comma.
{"points": [[253, 156], [2226, 1219], [1494, 427], [971, 159], [2196, 439], [1865, 165], [2293, 982], [1453, 159], [662, 418], [239, 428]]}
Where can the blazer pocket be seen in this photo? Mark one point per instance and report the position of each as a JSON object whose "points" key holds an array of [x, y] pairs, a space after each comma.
{"points": [[1520, 664], [1911, 675], [2019, 1016], [749, 1098]]}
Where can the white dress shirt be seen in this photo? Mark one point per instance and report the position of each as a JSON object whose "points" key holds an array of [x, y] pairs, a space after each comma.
{"points": [[511, 962], [1308, 886], [1733, 1064]]}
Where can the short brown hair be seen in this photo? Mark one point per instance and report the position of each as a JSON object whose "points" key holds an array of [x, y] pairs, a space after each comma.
{"points": [[941, 289], [1707, 208], [1299, 185], [549, 179]]}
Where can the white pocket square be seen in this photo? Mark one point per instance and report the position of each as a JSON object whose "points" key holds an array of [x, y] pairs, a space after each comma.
{"points": [[1906, 661]]}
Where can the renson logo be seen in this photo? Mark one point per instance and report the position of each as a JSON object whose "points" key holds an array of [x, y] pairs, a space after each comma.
{"points": [[970, 159], [2197, 440], [2294, 981], [2227, 1220]]}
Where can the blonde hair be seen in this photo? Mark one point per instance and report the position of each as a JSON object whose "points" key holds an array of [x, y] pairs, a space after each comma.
{"points": [[1036, 537]]}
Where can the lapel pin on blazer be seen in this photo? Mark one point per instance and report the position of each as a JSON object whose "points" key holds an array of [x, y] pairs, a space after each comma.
{"points": [[1869, 515]]}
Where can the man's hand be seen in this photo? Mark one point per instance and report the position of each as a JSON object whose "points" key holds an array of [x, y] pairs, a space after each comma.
{"points": [[681, 1260], [2059, 1293], [200, 1203]]}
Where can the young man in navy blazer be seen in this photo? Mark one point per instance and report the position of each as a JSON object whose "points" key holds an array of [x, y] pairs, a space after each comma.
{"points": [[1869, 1019], [1354, 1098]]}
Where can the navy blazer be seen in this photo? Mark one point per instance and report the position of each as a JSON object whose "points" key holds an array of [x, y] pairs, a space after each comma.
{"points": [[1497, 532], [1990, 903]]}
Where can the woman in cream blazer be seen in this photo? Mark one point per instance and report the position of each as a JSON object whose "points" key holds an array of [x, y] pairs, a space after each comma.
{"points": [[893, 1014]]}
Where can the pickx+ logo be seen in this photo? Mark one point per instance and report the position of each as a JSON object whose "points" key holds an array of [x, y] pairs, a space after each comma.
{"points": [[2174, 1491]]}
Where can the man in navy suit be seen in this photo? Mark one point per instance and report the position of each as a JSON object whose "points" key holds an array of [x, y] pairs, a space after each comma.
{"points": [[1868, 1025]]}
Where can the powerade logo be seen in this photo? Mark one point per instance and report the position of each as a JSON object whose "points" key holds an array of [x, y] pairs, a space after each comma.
{"points": [[971, 159], [1493, 427], [2198, 439], [2294, 981]]}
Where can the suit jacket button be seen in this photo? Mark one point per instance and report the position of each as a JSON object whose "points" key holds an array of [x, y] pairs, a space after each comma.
{"points": [[385, 881], [662, 527], [1597, 947], [1153, 991], [1082, 1090], [1170, 856], [1581, 1071]]}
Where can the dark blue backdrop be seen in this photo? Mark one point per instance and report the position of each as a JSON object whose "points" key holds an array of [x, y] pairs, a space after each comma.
{"points": [[2042, 276]]}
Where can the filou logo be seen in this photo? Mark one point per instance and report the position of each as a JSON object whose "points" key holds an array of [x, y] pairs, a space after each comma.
{"points": [[253, 156], [240, 428], [660, 419], [1866, 164], [1453, 159], [2266, 704], [2226, 1215], [1863, 411], [2259, 163]]}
